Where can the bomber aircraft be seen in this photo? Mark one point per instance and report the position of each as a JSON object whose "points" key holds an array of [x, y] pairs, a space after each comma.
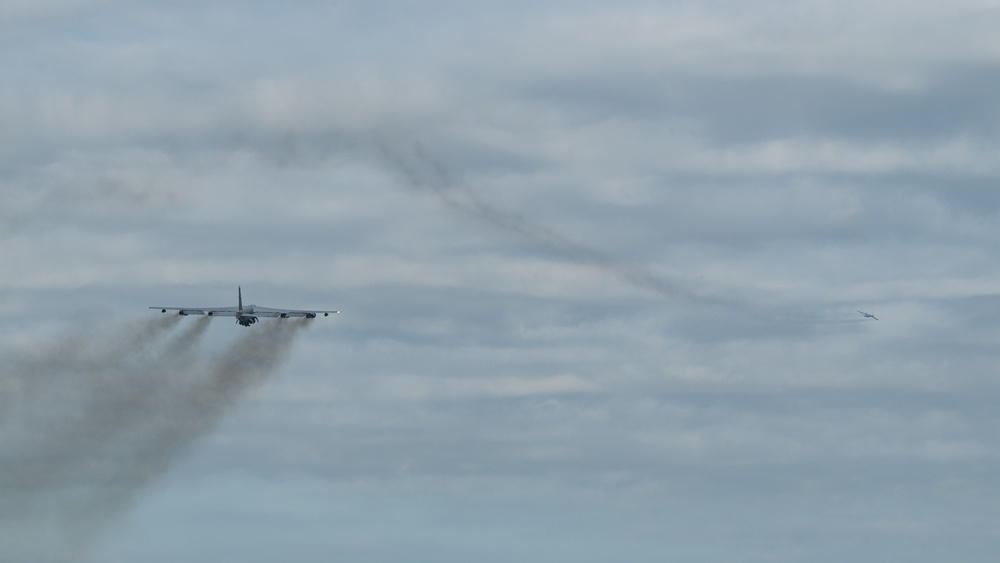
{"points": [[245, 315], [868, 315]]}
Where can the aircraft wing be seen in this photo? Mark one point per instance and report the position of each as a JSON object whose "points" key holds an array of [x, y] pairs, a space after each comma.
{"points": [[212, 311], [286, 313]]}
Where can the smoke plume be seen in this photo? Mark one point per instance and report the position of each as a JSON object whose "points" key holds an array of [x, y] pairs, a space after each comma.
{"points": [[90, 418], [423, 172], [426, 173]]}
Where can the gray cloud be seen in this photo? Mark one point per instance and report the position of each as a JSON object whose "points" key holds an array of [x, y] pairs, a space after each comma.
{"points": [[612, 311], [729, 110]]}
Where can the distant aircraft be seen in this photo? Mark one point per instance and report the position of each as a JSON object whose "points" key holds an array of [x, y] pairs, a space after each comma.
{"points": [[247, 315], [868, 315]]}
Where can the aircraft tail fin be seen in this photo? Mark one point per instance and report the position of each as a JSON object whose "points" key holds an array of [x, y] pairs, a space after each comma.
{"points": [[239, 294]]}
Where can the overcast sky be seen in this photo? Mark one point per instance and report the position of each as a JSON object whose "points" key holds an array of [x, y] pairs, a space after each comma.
{"points": [[599, 265]]}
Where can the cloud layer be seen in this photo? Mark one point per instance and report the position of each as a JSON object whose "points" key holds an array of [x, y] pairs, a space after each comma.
{"points": [[599, 266]]}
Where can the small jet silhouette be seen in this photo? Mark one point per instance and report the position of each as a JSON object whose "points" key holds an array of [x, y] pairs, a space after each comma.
{"points": [[868, 315]]}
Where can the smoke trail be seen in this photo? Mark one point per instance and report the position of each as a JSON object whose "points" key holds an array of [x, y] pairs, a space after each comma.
{"points": [[109, 412], [176, 350], [55, 363], [185, 410], [200, 398], [50, 435], [426, 173]]}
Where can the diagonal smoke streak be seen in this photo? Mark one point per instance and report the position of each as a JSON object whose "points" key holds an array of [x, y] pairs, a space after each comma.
{"points": [[123, 384], [186, 411], [205, 394], [426, 173], [52, 430], [178, 348], [108, 412]]}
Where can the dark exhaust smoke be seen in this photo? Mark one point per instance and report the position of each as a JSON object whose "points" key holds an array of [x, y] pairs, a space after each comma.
{"points": [[428, 174], [98, 415]]}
